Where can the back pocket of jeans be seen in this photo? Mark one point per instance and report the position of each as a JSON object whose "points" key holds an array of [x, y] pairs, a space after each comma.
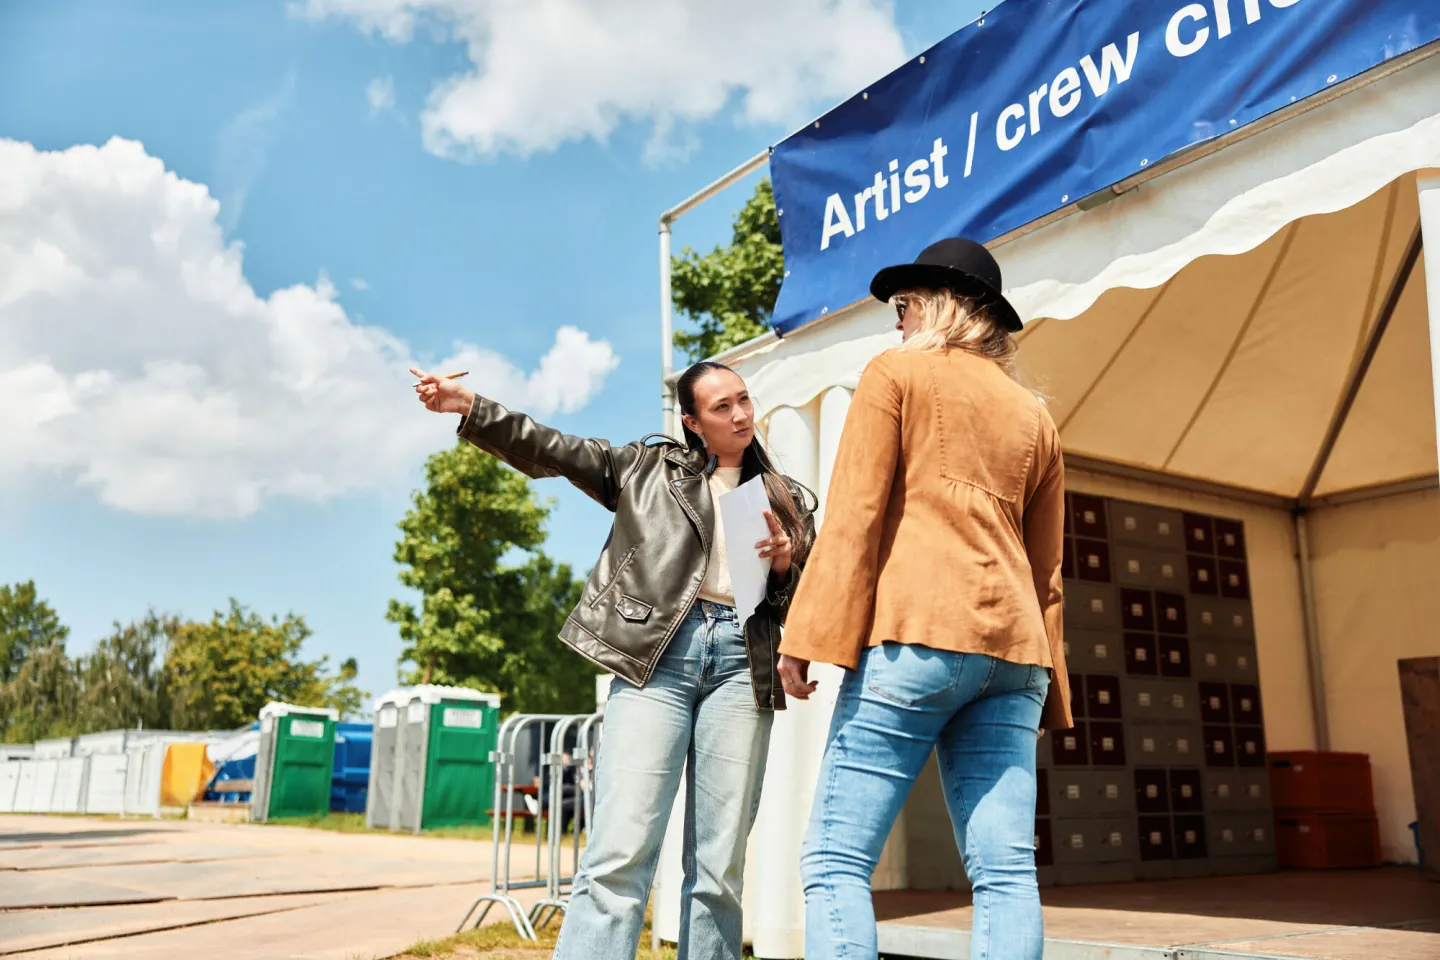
{"points": [[910, 675]]}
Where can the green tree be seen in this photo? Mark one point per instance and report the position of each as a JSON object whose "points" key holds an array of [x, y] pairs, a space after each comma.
{"points": [[483, 622], [27, 624], [221, 673], [729, 293], [39, 701], [122, 683]]}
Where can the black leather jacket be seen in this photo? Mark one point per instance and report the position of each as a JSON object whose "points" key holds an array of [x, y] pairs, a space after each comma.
{"points": [[655, 560]]}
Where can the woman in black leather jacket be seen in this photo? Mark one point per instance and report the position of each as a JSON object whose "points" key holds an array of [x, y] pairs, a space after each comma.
{"points": [[695, 682]]}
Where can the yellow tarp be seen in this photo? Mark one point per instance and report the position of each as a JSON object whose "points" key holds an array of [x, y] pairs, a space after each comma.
{"points": [[186, 772]]}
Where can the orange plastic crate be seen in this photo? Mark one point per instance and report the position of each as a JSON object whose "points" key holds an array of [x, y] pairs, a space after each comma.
{"points": [[1316, 841]]}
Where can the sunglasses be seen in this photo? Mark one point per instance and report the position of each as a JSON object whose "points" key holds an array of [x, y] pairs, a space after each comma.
{"points": [[901, 305]]}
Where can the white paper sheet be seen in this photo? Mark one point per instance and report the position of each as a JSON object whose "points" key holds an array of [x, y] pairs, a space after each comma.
{"points": [[742, 518]]}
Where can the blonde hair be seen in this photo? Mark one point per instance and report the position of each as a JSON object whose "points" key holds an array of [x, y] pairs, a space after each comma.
{"points": [[948, 321]]}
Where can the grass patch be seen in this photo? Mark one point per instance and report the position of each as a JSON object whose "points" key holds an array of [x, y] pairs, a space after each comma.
{"points": [[499, 941], [355, 823]]}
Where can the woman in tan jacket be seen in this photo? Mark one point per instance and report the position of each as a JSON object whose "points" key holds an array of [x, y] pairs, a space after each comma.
{"points": [[936, 582]]}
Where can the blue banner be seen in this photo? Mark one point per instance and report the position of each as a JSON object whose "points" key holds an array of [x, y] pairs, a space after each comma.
{"points": [[1040, 103]]}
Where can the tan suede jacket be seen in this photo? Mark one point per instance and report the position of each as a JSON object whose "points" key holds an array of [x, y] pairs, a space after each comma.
{"points": [[944, 524]]}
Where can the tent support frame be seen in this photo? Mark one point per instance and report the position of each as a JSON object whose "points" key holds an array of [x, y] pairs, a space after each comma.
{"points": [[667, 339], [1310, 623]]}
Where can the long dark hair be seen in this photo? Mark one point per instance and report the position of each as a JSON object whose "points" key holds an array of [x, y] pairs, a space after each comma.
{"points": [[755, 463]]}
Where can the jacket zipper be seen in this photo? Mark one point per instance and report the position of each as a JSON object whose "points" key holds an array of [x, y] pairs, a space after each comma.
{"points": [[614, 579], [690, 602]]}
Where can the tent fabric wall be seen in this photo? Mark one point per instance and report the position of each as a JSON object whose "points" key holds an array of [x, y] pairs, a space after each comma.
{"points": [[1375, 566]]}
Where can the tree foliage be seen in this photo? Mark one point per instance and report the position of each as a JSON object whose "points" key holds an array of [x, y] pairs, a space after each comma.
{"points": [[121, 683], [485, 621], [157, 672], [221, 673], [39, 701], [27, 624], [729, 293]]}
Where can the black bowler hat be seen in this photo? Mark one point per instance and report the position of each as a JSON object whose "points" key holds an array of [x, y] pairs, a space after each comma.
{"points": [[961, 266]]}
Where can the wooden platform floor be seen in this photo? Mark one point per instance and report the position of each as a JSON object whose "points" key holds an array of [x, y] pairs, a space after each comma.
{"points": [[78, 887], [1389, 914]]}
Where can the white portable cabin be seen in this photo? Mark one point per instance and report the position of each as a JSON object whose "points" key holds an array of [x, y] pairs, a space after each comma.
{"points": [[24, 795], [57, 748], [109, 757], [12, 757], [36, 792], [1250, 329], [71, 783]]}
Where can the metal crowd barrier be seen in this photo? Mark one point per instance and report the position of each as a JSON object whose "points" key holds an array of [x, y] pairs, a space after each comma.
{"points": [[548, 846]]}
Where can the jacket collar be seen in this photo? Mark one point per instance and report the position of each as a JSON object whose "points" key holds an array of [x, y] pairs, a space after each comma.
{"points": [[693, 462]]}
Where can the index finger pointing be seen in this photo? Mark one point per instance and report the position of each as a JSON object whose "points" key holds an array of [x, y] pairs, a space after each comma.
{"points": [[424, 377], [774, 524]]}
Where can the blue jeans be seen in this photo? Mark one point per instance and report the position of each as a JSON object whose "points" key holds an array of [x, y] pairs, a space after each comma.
{"points": [[981, 715], [698, 714]]}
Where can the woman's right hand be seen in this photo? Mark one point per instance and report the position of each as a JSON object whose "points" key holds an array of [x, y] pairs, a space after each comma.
{"points": [[442, 395], [795, 677]]}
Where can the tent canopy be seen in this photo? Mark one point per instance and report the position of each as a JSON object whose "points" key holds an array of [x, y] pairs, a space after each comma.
{"points": [[1254, 318]]}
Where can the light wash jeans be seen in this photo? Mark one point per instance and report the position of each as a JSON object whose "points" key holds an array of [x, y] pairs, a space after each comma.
{"points": [[981, 716], [697, 713]]}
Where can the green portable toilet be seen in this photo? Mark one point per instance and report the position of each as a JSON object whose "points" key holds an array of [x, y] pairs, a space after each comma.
{"points": [[444, 776], [294, 763]]}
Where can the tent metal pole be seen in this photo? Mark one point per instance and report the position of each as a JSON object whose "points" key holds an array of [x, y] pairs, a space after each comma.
{"points": [[1428, 183], [1356, 380], [1313, 658], [667, 340]]}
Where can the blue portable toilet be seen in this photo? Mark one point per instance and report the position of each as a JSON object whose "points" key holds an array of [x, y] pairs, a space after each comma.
{"points": [[351, 780]]}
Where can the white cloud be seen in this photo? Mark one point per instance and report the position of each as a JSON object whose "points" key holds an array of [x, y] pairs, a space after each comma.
{"points": [[137, 361], [381, 94], [359, 284], [544, 72]]}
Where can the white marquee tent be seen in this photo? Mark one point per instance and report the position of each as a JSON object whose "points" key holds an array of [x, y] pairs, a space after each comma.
{"points": [[1243, 330]]}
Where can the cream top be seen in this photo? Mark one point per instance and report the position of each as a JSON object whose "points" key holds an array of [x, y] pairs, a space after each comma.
{"points": [[717, 588]]}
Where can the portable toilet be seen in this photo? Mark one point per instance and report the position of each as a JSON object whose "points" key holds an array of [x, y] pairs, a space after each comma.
{"points": [[443, 774], [379, 805], [294, 762]]}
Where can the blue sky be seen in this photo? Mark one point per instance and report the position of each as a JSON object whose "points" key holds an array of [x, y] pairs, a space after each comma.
{"points": [[452, 188]]}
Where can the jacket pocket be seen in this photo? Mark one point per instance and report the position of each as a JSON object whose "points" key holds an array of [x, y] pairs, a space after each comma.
{"points": [[635, 611], [614, 578]]}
